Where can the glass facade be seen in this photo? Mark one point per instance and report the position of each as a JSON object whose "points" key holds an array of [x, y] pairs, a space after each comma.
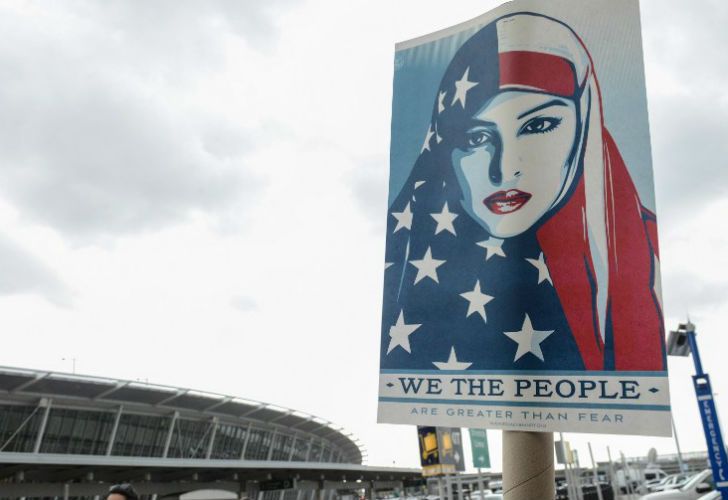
{"points": [[89, 432], [19, 427], [77, 432]]}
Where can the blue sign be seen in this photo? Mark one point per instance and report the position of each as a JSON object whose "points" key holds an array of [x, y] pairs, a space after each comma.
{"points": [[713, 435]]}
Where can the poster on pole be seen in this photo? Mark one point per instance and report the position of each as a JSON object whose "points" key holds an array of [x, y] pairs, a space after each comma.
{"points": [[441, 450], [522, 272], [479, 447]]}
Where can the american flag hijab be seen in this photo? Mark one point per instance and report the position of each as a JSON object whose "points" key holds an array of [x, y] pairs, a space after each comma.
{"points": [[580, 284]]}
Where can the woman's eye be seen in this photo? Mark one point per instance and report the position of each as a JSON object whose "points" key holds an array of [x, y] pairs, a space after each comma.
{"points": [[477, 138], [539, 125]]}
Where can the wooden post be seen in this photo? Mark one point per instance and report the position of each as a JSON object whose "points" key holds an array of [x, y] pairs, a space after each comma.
{"points": [[528, 466]]}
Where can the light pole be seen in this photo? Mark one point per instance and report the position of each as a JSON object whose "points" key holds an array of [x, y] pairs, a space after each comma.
{"points": [[681, 343], [73, 364]]}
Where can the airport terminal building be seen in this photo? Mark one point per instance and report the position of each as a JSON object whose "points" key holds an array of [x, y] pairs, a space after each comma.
{"points": [[65, 435]]}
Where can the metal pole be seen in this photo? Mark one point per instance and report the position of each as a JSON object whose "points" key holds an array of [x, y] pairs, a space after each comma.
{"points": [[677, 444], [480, 483], [709, 416], [42, 428], [114, 430], [211, 442], [528, 465], [272, 444], [440, 489], [168, 440], [293, 447], [569, 482], [245, 443], [694, 350], [612, 477], [574, 485], [448, 486], [596, 474], [627, 476]]}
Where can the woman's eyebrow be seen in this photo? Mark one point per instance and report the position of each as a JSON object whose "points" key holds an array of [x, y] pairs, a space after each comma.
{"points": [[475, 121], [555, 102]]}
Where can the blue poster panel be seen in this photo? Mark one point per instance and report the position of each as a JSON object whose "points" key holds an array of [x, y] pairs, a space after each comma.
{"points": [[521, 282]]}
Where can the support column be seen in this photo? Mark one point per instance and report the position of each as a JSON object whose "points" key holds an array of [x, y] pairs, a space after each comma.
{"points": [[528, 465], [168, 441], [211, 443], [114, 430], [41, 430], [293, 448], [272, 444], [245, 443]]}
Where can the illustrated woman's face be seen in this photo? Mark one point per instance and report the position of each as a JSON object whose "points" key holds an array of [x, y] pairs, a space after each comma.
{"points": [[513, 159]]}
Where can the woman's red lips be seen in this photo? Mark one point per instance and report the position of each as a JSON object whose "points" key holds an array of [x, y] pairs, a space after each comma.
{"points": [[505, 202]]}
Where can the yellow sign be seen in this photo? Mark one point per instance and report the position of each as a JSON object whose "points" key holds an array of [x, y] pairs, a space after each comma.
{"points": [[438, 470]]}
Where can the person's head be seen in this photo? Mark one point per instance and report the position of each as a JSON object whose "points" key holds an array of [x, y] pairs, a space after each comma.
{"points": [[511, 120], [123, 491]]}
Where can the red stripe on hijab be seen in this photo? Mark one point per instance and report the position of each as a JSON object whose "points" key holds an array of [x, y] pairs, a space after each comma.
{"points": [[552, 74], [635, 316]]}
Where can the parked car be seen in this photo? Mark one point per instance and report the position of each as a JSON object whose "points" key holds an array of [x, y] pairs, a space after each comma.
{"points": [[697, 486], [651, 477], [496, 486], [671, 482], [713, 495], [588, 491], [627, 479]]}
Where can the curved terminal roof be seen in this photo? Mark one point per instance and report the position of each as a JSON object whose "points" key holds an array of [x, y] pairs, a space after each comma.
{"points": [[25, 384]]}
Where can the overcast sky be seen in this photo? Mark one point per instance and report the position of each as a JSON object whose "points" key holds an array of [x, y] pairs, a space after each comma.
{"points": [[194, 194]]}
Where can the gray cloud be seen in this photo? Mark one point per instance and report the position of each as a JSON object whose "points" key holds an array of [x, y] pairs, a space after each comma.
{"points": [[243, 303], [98, 136], [23, 273], [369, 186], [690, 153], [688, 109], [685, 293]]}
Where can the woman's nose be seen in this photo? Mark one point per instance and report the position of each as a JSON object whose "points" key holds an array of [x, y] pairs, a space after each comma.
{"points": [[495, 170], [505, 165]]}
